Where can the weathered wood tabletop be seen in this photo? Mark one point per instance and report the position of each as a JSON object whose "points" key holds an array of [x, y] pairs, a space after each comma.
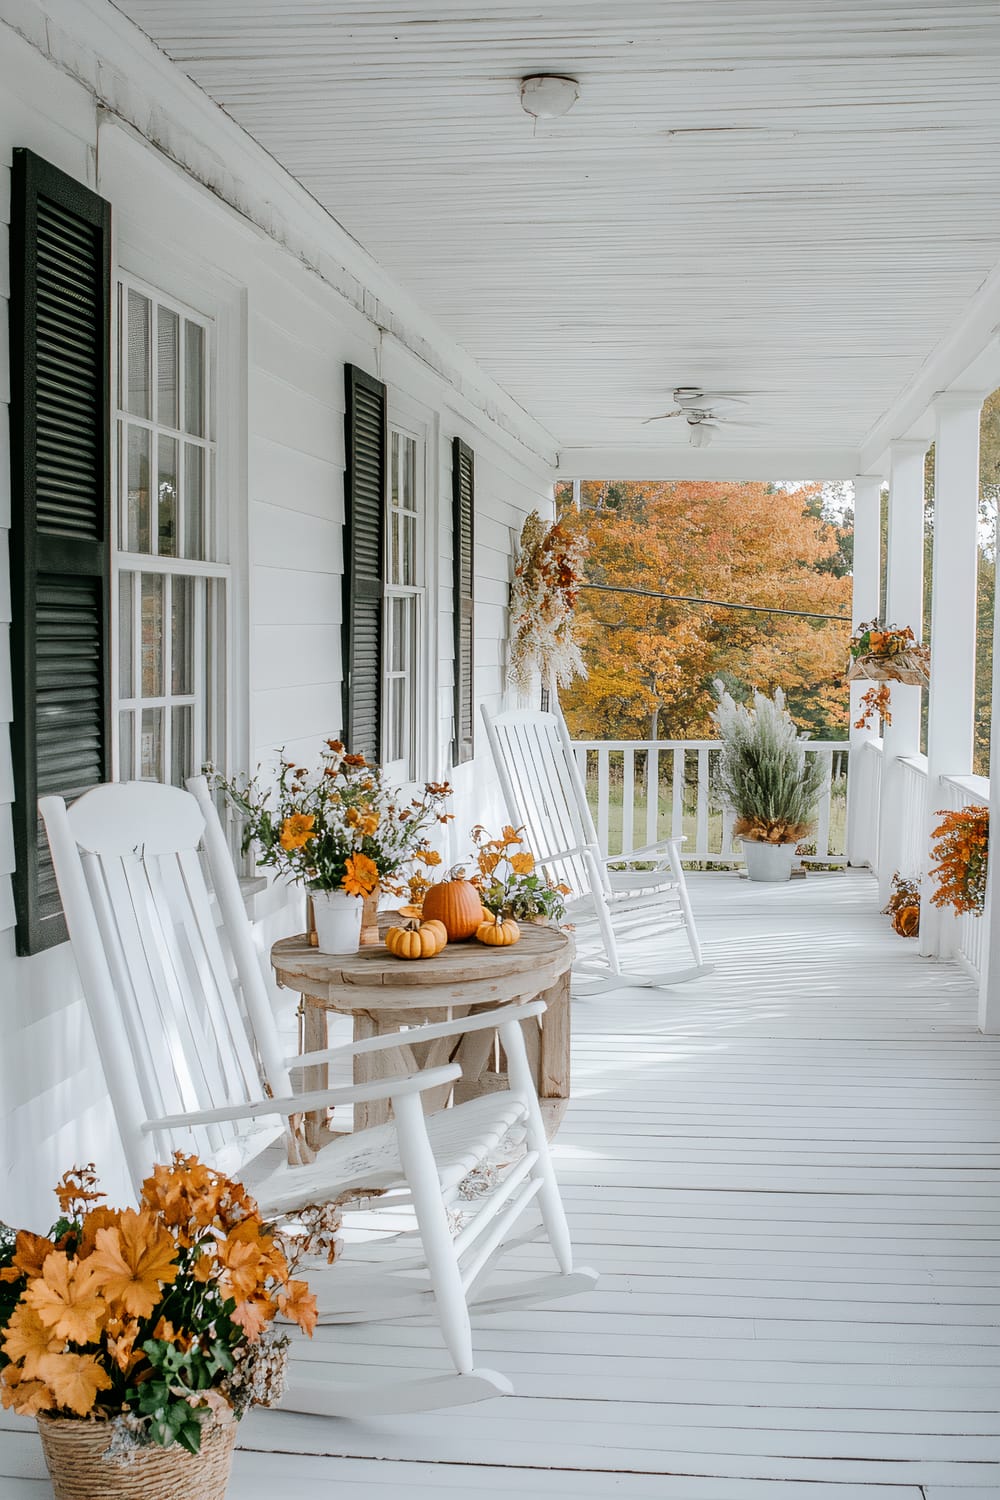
{"points": [[385, 994]]}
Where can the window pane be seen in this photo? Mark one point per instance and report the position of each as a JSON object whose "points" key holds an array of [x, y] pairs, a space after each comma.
{"points": [[397, 635], [126, 765], [139, 535], [151, 745], [167, 366], [138, 355], [409, 524], [194, 379], [394, 553], [410, 474], [396, 736], [126, 596], [167, 497], [182, 744], [152, 637], [182, 639], [194, 501]]}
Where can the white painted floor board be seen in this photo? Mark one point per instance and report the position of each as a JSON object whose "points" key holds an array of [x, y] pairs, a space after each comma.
{"points": [[788, 1175]]}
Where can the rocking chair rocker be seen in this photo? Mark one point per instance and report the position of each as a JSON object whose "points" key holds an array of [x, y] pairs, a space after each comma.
{"points": [[544, 793], [193, 1061]]}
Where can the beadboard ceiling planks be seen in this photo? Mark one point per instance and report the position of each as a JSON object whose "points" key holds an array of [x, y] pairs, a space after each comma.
{"points": [[795, 201]]}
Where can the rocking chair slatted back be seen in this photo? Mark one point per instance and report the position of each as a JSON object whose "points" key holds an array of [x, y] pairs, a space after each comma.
{"points": [[544, 791], [168, 1005]]}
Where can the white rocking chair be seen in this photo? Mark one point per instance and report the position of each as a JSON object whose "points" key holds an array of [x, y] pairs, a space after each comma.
{"points": [[544, 792], [193, 1061]]}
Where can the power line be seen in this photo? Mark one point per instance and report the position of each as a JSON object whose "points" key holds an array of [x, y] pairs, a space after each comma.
{"points": [[754, 609]]}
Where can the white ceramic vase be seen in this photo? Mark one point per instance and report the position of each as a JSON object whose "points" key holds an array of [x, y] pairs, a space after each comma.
{"points": [[771, 863], [338, 921]]}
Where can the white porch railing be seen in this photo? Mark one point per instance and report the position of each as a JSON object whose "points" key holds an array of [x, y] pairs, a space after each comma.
{"points": [[913, 816], [866, 798], [644, 790], [958, 792]]}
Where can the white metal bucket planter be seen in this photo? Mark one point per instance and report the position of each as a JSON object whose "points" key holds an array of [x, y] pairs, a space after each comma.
{"points": [[338, 921], [770, 863]]}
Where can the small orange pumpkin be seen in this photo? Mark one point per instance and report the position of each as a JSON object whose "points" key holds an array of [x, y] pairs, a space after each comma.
{"points": [[455, 902], [417, 939], [498, 932]]}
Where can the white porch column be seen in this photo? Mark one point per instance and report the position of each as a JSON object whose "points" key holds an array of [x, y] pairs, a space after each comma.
{"points": [[989, 981], [903, 606], [953, 627], [867, 578]]}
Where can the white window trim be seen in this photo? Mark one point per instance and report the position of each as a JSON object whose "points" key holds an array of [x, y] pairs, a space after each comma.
{"points": [[422, 423], [220, 308]]}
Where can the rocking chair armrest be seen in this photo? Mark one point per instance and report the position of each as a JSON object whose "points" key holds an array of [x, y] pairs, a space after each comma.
{"points": [[648, 851], [296, 1104], [487, 1020]]}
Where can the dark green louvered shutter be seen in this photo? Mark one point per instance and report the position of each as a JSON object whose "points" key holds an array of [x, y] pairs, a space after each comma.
{"points": [[61, 489], [463, 489], [366, 423]]}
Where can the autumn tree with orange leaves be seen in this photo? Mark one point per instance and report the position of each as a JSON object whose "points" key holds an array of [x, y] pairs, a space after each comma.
{"points": [[651, 662]]}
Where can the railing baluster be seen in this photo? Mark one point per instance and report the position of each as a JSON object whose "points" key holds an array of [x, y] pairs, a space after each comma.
{"points": [[652, 794], [701, 827], [677, 794], [628, 798], [823, 811], [603, 787]]}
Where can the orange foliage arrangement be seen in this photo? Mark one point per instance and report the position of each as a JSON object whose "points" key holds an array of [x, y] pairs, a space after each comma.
{"points": [[875, 704], [158, 1318], [962, 855], [509, 882], [903, 906], [341, 828]]}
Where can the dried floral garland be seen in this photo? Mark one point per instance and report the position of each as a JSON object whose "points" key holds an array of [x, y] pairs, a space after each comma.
{"points": [[962, 855], [548, 572], [903, 906], [875, 704]]}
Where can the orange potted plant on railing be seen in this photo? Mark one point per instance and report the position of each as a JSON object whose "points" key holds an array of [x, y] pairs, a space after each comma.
{"points": [[962, 855]]}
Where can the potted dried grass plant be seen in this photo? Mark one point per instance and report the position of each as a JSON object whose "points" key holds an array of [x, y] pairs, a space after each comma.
{"points": [[765, 777]]}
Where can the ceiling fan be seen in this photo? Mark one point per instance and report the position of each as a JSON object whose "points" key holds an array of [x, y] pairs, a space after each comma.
{"points": [[703, 411]]}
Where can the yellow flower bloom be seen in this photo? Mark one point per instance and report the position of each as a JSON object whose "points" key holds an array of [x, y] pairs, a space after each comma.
{"points": [[360, 875], [297, 831], [27, 1339], [522, 864]]}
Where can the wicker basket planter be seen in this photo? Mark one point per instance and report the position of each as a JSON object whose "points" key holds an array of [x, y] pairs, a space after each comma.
{"points": [[905, 666], [75, 1452]]}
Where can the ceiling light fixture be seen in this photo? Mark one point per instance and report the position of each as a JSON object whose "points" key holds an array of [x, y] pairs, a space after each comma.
{"points": [[547, 96]]}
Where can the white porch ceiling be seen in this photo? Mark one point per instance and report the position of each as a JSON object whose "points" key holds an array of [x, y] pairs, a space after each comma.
{"points": [[796, 199]]}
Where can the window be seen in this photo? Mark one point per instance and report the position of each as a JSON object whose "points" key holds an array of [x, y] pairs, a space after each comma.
{"points": [[402, 670], [172, 579]]}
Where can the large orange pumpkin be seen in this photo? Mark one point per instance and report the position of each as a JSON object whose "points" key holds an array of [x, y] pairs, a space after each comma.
{"points": [[455, 902]]}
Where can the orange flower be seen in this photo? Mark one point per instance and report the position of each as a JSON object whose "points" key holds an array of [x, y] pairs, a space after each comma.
{"points": [[134, 1261], [297, 831], [355, 761], [76, 1189], [26, 1397], [298, 1303], [522, 864], [253, 1316], [487, 861], [27, 1339], [66, 1299], [30, 1251], [369, 825], [429, 856], [360, 875], [74, 1380], [509, 835], [120, 1336]]}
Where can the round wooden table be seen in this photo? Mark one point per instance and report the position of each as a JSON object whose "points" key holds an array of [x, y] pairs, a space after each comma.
{"points": [[385, 994]]}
